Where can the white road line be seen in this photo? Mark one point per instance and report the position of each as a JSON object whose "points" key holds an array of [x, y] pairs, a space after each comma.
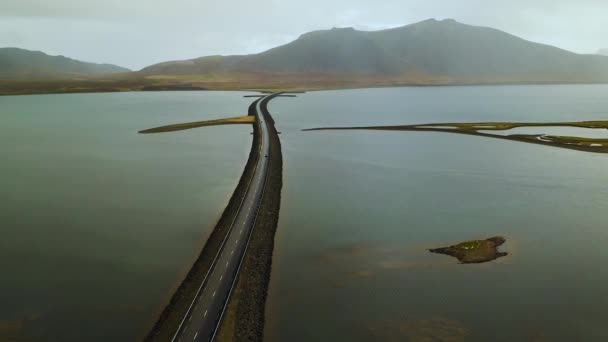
{"points": [[205, 315], [226, 263], [195, 335], [221, 277], [213, 294]]}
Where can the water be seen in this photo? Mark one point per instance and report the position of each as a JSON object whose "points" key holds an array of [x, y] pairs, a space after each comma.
{"points": [[360, 208], [99, 224]]}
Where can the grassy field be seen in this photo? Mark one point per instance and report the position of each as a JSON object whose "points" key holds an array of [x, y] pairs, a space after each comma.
{"points": [[270, 82], [500, 126], [591, 143], [569, 142], [183, 126]]}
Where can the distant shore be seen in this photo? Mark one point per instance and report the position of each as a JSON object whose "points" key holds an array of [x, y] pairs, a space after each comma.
{"points": [[271, 84]]}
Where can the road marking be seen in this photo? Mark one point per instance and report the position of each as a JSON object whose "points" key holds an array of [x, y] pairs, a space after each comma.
{"points": [[232, 252], [205, 315], [195, 335], [221, 277], [226, 263]]}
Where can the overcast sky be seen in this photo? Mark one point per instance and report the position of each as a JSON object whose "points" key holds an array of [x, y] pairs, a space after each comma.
{"points": [[138, 33]]}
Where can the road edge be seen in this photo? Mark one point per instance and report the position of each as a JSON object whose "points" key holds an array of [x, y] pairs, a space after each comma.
{"points": [[169, 319], [247, 304]]}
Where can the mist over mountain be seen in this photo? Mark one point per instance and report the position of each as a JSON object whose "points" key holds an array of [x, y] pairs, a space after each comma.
{"points": [[603, 52], [430, 51], [20, 64]]}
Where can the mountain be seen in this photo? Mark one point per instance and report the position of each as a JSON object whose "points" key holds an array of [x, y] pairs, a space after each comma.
{"points": [[20, 64], [428, 52], [431, 52], [603, 52]]}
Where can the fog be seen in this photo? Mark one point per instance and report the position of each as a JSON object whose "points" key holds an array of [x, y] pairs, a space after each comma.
{"points": [[137, 33]]}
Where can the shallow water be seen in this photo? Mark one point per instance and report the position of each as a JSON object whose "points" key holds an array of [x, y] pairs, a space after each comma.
{"points": [[360, 209], [98, 223]]}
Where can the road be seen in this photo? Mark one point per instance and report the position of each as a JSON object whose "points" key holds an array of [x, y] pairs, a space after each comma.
{"points": [[202, 318]]}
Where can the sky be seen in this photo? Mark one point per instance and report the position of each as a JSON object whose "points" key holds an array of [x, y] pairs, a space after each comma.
{"points": [[138, 33]]}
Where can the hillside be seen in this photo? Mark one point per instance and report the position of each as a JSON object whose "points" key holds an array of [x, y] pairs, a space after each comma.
{"points": [[20, 64], [428, 52]]}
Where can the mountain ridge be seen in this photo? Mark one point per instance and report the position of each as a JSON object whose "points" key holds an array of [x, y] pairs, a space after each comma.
{"points": [[431, 52], [430, 49], [22, 64]]}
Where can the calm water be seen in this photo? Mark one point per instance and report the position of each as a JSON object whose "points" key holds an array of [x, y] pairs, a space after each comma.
{"points": [[360, 209], [98, 223]]}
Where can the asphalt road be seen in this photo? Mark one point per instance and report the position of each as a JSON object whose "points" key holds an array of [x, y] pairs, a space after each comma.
{"points": [[202, 319]]}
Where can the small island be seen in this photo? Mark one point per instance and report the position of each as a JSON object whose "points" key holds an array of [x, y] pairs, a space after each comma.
{"points": [[474, 251]]}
